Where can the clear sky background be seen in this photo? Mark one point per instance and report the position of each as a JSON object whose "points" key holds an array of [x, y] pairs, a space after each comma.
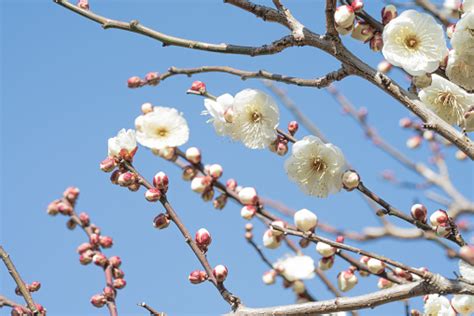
{"points": [[64, 94]]}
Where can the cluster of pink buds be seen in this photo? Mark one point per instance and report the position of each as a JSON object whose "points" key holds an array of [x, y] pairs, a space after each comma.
{"points": [[125, 178], [160, 187], [23, 311], [197, 87], [150, 79]]}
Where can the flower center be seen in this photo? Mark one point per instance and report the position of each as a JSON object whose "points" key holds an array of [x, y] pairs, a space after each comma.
{"points": [[446, 98], [256, 117], [161, 132], [411, 42], [319, 165]]}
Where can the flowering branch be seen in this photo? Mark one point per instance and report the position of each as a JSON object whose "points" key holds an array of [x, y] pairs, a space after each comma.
{"points": [[22, 288]]}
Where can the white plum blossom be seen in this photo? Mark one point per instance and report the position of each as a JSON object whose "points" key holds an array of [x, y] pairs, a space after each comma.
{"points": [[463, 304], [316, 167], [466, 270], [469, 120], [415, 42], [436, 305], [216, 109], [468, 6], [460, 69], [124, 143], [447, 100], [296, 267], [163, 127], [463, 36], [255, 118]]}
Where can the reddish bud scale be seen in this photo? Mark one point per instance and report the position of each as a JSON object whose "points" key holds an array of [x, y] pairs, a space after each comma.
{"points": [[340, 239], [388, 13], [100, 259], [71, 224], [376, 42], [357, 5], [153, 194], [160, 181], [220, 202], [114, 176], [208, 193], [64, 208], [197, 277], [198, 86], [126, 178], [34, 286], [419, 212], [161, 221], [84, 218], [119, 283], [53, 208], [203, 239]]}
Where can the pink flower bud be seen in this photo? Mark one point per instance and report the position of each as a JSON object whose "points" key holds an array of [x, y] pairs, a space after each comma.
{"points": [[405, 122], [443, 230], [118, 273], [114, 176], [161, 221], [326, 263], [106, 241], [147, 108], [293, 127], [325, 250], [280, 224], [203, 239], [98, 300], [94, 239], [160, 181], [419, 212], [64, 208], [34, 286], [193, 155], [100, 259], [198, 86], [134, 82], [362, 31], [384, 66], [168, 153], [229, 115], [153, 195], [376, 42], [248, 212], [115, 261], [439, 217], [340, 239], [119, 283], [281, 148], [84, 218], [83, 4], [269, 277], [85, 259], [389, 12], [467, 251], [53, 208], [199, 184], [248, 196], [364, 260], [346, 280], [84, 247], [305, 220], [231, 184], [109, 292], [414, 142], [375, 266], [152, 78], [220, 273], [384, 283], [215, 171], [271, 241], [357, 5], [220, 202], [344, 16], [126, 178], [350, 180], [197, 277], [189, 172], [71, 194]]}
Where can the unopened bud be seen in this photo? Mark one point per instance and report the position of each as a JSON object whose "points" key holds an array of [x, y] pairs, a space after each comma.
{"points": [[231, 184], [350, 180], [118, 273], [326, 263], [115, 261], [71, 224], [114, 176], [189, 172], [85, 258], [134, 82], [325, 250], [84, 247], [160, 181], [126, 178], [279, 224], [357, 5], [346, 280], [384, 67], [248, 196], [344, 16], [197, 277], [414, 142], [384, 283], [203, 239], [152, 78], [281, 148], [198, 86], [64, 208], [153, 194], [215, 171], [161, 221], [99, 259], [389, 12], [53, 208], [119, 283], [84, 218], [293, 127], [147, 108], [305, 220], [199, 184], [34, 286], [375, 266], [83, 4], [109, 292], [98, 300], [403, 274], [439, 217], [168, 153], [376, 42], [220, 273], [419, 212], [460, 155], [94, 239], [298, 287], [220, 202], [193, 155], [270, 241], [304, 243], [269, 277], [443, 230], [405, 122], [208, 194], [106, 241], [248, 212], [71, 194], [362, 31]]}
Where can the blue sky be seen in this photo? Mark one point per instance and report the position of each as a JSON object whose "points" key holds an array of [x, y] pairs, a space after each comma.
{"points": [[64, 94]]}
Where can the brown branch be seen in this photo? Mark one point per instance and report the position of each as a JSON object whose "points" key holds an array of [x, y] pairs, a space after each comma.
{"points": [[150, 309], [19, 282], [431, 8], [295, 25], [330, 23], [265, 13], [437, 284], [5, 301], [233, 300]]}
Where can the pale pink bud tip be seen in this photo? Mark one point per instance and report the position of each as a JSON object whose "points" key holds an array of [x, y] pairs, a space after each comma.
{"points": [[193, 155], [152, 78], [384, 66], [231, 184], [147, 108], [220, 273], [100, 259], [344, 16], [126, 178], [34, 286], [405, 122], [346, 280], [357, 5], [153, 195], [161, 221], [281, 148], [161, 181], [467, 251], [419, 212], [94, 239], [293, 127], [197, 277], [134, 82], [106, 241], [71, 194], [115, 261], [109, 292], [98, 300], [384, 283], [248, 196], [198, 86], [269, 277], [248, 212], [439, 217], [350, 180], [414, 142], [215, 171], [305, 220], [84, 218], [203, 239]]}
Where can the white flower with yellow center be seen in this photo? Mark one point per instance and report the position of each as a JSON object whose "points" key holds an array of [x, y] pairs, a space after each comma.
{"points": [[436, 305], [447, 100], [123, 144], [415, 42], [296, 267], [163, 127], [463, 36], [255, 118], [463, 304], [316, 167], [460, 69], [216, 109]]}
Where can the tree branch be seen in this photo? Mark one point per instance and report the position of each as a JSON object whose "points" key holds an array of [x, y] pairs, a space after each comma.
{"points": [[429, 7]]}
